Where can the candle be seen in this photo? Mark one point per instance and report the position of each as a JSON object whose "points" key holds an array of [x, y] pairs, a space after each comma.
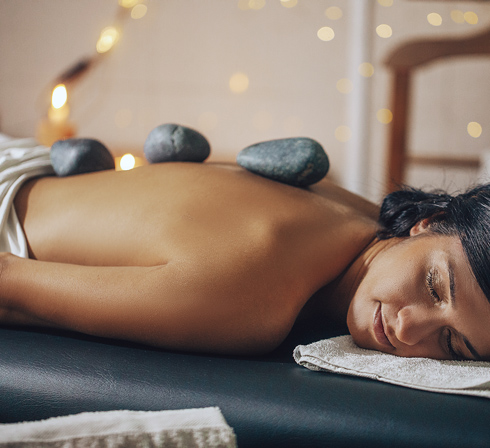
{"points": [[56, 126]]}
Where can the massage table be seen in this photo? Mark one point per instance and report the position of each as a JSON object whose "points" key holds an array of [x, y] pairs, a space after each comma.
{"points": [[269, 401]]}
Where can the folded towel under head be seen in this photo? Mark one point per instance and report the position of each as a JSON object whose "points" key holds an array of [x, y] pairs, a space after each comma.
{"points": [[190, 428], [342, 355]]}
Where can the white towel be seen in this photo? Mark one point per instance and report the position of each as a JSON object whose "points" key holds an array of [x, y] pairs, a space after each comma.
{"points": [[189, 428], [342, 355], [20, 160]]}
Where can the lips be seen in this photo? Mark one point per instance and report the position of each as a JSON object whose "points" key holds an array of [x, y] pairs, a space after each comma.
{"points": [[379, 331]]}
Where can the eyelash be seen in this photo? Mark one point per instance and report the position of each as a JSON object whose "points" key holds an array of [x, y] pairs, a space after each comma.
{"points": [[435, 296]]}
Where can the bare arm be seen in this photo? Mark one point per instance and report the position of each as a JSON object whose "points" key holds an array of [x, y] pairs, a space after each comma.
{"points": [[172, 306]]}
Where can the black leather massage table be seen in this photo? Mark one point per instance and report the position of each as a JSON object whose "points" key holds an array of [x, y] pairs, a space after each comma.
{"points": [[269, 401]]}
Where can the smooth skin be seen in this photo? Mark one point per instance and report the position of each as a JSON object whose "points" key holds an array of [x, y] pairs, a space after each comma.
{"points": [[212, 258]]}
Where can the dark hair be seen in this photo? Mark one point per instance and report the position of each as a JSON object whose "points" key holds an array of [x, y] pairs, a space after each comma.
{"points": [[466, 215]]}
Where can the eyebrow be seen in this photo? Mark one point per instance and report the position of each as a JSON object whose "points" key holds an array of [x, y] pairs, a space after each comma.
{"points": [[452, 288]]}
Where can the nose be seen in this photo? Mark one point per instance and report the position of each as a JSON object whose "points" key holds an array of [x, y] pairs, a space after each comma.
{"points": [[417, 323]]}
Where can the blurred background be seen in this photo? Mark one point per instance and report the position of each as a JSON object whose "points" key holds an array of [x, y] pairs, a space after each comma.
{"points": [[244, 71]]}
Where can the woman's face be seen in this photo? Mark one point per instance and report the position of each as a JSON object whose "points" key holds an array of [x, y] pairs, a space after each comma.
{"points": [[419, 298]]}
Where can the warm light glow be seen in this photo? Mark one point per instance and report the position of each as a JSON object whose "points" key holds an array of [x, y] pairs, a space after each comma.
{"points": [[474, 129], [139, 11], [384, 116], [128, 3], [366, 69], [344, 85], [343, 133], [457, 16], [334, 13], [59, 97], [471, 17], [108, 37], [239, 82], [326, 33], [384, 31], [434, 19], [256, 4], [386, 3], [289, 3], [127, 162], [58, 115]]}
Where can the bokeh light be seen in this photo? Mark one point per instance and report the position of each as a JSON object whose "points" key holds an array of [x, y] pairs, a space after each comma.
{"points": [[384, 31], [59, 96], [128, 3], [434, 19], [474, 129], [386, 3], [334, 13], [239, 82], [366, 69], [139, 11], [325, 33], [384, 116], [108, 37], [289, 3], [457, 16], [127, 162], [471, 17], [344, 85], [256, 4], [343, 133]]}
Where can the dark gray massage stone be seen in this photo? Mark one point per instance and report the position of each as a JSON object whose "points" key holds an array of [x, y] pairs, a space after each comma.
{"points": [[296, 161], [175, 143], [80, 155]]}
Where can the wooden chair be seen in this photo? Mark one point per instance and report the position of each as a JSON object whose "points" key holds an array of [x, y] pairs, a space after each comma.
{"points": [[403, 62]]}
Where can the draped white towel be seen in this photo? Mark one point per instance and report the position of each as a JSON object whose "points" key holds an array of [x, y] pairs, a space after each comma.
{"points": [[20, 160], [342, 355], [189, 428]]}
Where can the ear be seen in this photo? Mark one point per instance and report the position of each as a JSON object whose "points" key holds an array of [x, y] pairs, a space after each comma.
{"points": [[421, 227]]}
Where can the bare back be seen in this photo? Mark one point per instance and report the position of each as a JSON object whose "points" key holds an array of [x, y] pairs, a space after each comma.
{"points": [[257, 247]]}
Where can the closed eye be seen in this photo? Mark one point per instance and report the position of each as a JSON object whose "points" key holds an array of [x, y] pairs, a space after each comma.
{"points": [[429, 281]]}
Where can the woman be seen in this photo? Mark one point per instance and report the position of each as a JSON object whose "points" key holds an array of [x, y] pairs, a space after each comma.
{"points": [[207, 257]]}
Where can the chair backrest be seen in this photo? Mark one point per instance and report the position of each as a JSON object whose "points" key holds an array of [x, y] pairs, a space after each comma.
{"points": [[403, 62]]}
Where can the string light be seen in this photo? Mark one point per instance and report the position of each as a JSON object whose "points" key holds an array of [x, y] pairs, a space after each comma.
{"points": [[384, 116], [344, 85], [470, 17], [457, 16], [108, 37], [366, 69], [256, 4], [139, 11]]}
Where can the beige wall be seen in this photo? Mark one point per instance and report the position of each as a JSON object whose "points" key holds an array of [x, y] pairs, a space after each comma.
{"points": [[174, 65]]}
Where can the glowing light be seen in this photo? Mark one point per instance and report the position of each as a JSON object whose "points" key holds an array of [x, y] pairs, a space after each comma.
{"points": [[384, 31], [108, 37], [256, 4], [326, 33], [123, 118], [384, 116], [434, 19], [139, 11], [239, 82], [207, 121], [334, 13], [386, 3], [59, 96], [127, 162], [457, 16], [289, 3], [344, 85], [474, 129], [343, 133], [471, 17], [128, 3], [58, 115], [366, 69]]}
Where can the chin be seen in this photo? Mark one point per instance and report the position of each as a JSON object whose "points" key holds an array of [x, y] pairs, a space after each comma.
{"points": [[361, 336]]}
